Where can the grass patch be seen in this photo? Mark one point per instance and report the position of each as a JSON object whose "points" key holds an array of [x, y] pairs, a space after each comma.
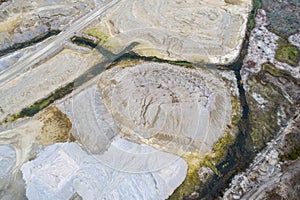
{"points": [[132, 57], [287, 53], [291, 156], [221, 146], [271, 69], [98, 34], [195, 162], [192, 180], [256, 5], [234, 2], [276, 72]]}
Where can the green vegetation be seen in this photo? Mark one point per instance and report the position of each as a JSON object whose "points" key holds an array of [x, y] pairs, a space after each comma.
{"points": [[291, 146], [98, 34], [291, 156], [221, 147], [287, 53], [33, 41], [192, 180], [172, 62], [276, 72], [84, 42], [263, 122], [271, 69], [234, 2], [256, 5], [137, 58], [43, 103]]}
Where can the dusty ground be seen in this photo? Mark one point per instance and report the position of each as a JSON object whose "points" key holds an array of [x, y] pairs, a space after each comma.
{"points": [[196, 31], [39, 82], [23, 20], [172, 108]]}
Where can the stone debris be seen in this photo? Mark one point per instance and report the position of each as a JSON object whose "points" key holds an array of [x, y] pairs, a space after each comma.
{"points": [[295, 39], [204, 174], [172, 108], [259, 99], [268, 175], [39, 82], [196, 31], [63, 170], [262, 48], [23, 20], [7, 160], [93, 126]]}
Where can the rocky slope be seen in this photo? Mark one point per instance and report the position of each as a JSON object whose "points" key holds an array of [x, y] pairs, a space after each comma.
{"points": [[173, 108], [271, 77], [274, 172], [146, 124]]}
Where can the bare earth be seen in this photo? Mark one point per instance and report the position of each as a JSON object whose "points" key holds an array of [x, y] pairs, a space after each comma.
{"points": [[129, 125], [193, 30]]}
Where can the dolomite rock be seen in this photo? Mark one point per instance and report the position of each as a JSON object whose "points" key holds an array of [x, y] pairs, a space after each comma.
{"points": [[64, 170], [11, 182], [92, 126], [197, 31], [268, 177], [16, 147], [269, 84], [21, 138], [23, 20], [170, 107], [7, 160], [37, 83], [204, 174]]}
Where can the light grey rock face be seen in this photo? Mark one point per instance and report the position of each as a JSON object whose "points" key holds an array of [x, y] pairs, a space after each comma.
{"points": [[7, 160], [64, 170], [176, 108], [14, 187]]}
